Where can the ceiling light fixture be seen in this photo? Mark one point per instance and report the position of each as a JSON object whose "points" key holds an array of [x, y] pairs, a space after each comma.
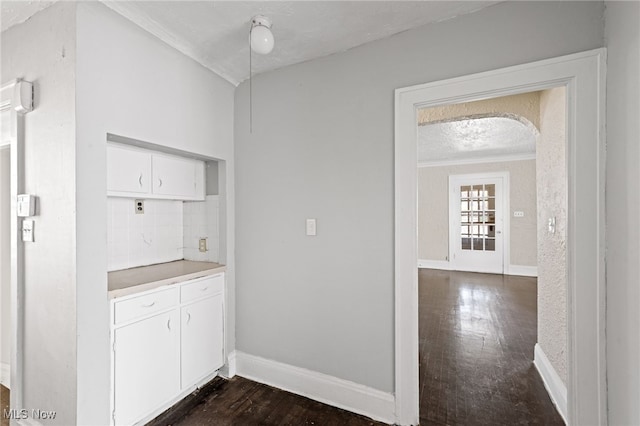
{"points": [[261, 41], [261, 36]]}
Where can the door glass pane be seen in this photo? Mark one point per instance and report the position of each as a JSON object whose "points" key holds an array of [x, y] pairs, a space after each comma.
{"points": [[478, 217]]}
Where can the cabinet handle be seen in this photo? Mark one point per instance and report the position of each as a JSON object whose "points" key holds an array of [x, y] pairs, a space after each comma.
{"points": [[160, 180], [140, 180], [149, 305], [188, 317], [204, 289], [169, 324]]}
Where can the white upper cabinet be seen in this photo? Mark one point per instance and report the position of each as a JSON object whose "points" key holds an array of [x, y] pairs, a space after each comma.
{"points": [[175, 176], [134, 172], [128, 171]]}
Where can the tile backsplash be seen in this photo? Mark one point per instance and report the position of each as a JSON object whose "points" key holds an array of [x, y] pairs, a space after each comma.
{"points": [[143, 239], [201, 221], [168, 230]]}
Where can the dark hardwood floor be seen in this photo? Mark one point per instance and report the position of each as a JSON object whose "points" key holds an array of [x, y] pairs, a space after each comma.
{"points": [[4, 403], [242, 402], [477, 333]]}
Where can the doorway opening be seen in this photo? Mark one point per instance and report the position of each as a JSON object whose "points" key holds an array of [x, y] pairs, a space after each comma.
{"points": [[581, 75], [485, 324]]}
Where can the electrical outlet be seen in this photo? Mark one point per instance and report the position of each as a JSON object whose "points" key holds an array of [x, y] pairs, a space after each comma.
{"points": [[518, 214], [202, 245], [139, 206]]}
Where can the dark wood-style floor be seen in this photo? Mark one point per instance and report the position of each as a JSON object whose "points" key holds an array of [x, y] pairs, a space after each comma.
{"points": [[4, 405], [477, 333], [242, 402]]}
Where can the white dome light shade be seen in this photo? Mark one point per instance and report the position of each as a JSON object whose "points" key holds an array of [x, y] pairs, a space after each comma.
{"points": [[262, 41]]}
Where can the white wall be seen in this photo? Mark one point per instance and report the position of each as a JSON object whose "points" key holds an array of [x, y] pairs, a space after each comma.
{"points": [[43, 50], [622, 33], [433, 208], [5, 260], [551, 172], [322, 147]]}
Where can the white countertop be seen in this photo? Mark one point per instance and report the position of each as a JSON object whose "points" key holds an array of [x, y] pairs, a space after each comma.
{"points": [[135, 280]]}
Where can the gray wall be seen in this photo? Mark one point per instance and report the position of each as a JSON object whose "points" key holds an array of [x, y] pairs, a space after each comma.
{"points": [[623, 206], [43, 50], [322, 147]]}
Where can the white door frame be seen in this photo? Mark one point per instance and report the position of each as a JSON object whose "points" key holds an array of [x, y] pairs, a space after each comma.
{"points": [[505, 225], [17, 97], [583, 76]]}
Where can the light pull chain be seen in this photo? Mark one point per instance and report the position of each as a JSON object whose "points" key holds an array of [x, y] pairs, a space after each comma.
{"points": [[250, 89]]}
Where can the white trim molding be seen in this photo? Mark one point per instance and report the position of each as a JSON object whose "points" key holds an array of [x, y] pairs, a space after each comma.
{"points": [[16, 97], [443, 265], [522, 270], [228, 371], [321, 387], [481, 160], [552, 381], [5, 375], [584, 77]]}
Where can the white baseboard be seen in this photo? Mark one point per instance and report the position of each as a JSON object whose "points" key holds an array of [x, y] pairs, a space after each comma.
{"points": [[523, 270], [5, 375], [552, 382], [327, 389], [228, 371], [445, 265]]}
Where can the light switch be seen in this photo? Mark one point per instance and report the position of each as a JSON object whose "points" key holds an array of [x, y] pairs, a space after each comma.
{"points": [[27, 231], [311, 227], [202, 245], [26, 205], [552, 225], [518, 214]]}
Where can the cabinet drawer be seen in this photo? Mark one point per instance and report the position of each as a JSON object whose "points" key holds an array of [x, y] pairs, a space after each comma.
{"points": [[202, 287], [140, 306]]}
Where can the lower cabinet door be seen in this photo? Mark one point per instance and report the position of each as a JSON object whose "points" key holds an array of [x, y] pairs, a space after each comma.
{"points": [[202, 339], [146, 366]]}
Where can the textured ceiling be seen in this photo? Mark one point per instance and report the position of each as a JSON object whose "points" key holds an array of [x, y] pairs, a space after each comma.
{"points": [[475, 138], [215, 33], [16, 12]]}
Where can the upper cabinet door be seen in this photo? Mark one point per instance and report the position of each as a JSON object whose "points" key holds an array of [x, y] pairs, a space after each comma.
{"points": [[128, 171], [177, 177]]}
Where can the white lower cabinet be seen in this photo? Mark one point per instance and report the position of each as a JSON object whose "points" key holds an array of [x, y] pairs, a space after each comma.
{"points": [[165, 342], [202, 324], [140, 350]]}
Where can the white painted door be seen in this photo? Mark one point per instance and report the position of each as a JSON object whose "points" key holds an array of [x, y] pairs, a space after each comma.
{"points": [[128, 170], [146, 366], [476, 222], [202, 339], [174, 176]]}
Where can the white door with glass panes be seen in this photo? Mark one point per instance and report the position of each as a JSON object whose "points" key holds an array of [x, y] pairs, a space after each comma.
{"points": [[476, 222]]}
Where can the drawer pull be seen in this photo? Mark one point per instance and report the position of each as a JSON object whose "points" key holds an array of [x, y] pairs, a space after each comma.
{"points": [[148, 305], [169, 324], [204, 289], [140, 180], [188, 317]]}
